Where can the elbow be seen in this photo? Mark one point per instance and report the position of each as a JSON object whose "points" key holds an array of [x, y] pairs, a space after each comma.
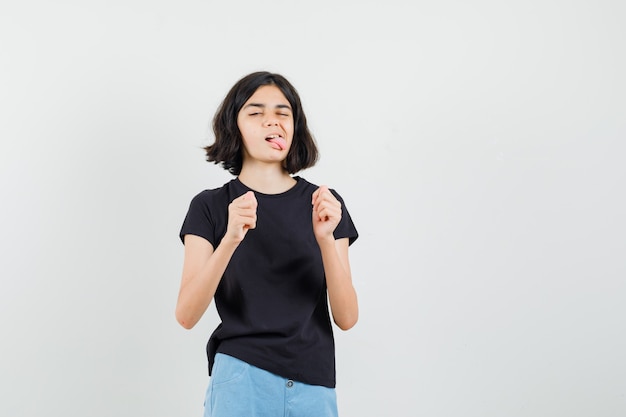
{"points": [[184, 320], [347, 323], [345, 326], [185, 324]]}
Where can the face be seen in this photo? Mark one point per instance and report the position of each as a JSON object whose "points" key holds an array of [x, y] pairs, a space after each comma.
{"points": [[266, 125]]}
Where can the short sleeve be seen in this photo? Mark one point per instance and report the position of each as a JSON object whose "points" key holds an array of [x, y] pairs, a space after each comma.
{"points": [[345, 228], [199, 220]]}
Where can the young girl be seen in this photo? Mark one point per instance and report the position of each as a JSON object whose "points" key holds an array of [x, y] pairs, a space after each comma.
{"points": [[272, 250]]}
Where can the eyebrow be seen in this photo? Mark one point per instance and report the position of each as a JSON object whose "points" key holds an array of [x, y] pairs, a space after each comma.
{"points": [[278, 106]]}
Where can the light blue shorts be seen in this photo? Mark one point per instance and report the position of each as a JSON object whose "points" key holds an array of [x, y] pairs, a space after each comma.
{"points": [[237, 389]]}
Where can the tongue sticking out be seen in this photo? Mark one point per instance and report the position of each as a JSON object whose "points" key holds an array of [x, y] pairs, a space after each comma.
{"points": [[278, 143]]}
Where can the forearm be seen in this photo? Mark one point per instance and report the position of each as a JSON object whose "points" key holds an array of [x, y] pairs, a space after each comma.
{"points": [[341, 292], [199, 288]]}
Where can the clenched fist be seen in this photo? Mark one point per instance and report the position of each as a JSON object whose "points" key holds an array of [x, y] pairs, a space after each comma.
{"points": [[241, 216], [326, 213]]}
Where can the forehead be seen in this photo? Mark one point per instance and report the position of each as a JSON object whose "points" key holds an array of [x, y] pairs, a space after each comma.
{"points": [[268, 94]]}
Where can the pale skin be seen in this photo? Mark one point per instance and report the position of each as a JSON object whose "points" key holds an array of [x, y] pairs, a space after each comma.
{"points": [[266, 114]]}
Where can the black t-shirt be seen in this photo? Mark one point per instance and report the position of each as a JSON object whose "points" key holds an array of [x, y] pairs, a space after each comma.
{"points": [[272, 298]]}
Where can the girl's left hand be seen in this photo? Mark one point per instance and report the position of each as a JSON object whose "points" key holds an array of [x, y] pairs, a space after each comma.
{"points": [[326, 213]]}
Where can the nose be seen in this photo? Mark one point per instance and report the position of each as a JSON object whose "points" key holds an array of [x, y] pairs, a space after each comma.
{"points": [[271, 121]]}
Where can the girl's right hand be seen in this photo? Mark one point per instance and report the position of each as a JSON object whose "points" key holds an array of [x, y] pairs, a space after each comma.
{"points": [[241, 216]]}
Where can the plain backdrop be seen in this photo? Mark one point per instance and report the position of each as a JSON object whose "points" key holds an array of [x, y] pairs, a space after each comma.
{"points": [[479, 146]]}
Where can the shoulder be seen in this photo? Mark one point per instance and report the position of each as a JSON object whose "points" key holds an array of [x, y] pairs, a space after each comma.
{"points": [[213, 195], [314, 187], [304, 183]]}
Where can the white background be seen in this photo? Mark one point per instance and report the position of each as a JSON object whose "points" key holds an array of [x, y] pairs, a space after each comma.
{"points": [[479, 146]]}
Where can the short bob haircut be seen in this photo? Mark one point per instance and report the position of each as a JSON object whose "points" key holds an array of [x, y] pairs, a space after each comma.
{"points": [[228, 147]]}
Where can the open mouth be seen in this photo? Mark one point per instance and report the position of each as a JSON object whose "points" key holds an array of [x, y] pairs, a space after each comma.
{"points": [[277, 141]]}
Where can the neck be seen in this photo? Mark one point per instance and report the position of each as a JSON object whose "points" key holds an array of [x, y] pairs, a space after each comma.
{"points": [[266, 180]]}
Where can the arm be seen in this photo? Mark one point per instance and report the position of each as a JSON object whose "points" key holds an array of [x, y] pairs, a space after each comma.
{"points": [[341, 292], [203, 267], [202, 271]]}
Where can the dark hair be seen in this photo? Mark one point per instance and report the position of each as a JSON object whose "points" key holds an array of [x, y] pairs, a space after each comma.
{"points": [[227, 148]]}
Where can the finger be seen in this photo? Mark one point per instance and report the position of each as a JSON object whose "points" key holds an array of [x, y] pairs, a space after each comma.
{"points": [[321, 190], [318, 195], [318, 208], [251, 224], [327, 195], [242, 217], [331, 205], [327, 199], [236, 210], [328, 214], [247, 200], [245, 222], [315, 195], [245, 213], [245, 197], [250, 218]]}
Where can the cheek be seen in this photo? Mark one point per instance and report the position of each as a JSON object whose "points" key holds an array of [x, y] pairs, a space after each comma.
{"points": [[240, 126], [244, 131], [290, 128]]}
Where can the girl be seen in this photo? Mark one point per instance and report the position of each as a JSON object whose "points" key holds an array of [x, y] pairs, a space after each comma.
{"points": [[272, 250]]}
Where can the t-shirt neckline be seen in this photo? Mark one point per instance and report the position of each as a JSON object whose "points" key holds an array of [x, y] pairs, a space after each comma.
{"points": [[299, 182]]}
